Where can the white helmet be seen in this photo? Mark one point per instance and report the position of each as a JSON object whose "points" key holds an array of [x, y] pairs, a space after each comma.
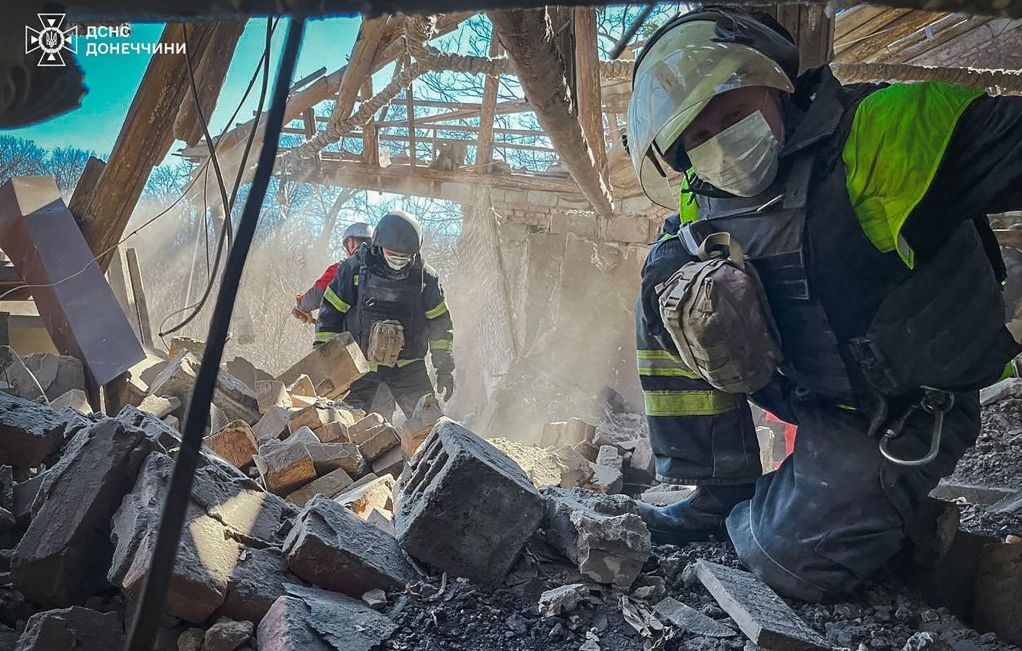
{"points": [[685, 64]]}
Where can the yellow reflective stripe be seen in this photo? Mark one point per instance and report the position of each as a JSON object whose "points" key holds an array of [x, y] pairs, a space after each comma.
{"points": [[401, 363], [330, 296], [660, 363], [323, 335], [437, 311], [356, 280], [688, 403], [441, 344]]}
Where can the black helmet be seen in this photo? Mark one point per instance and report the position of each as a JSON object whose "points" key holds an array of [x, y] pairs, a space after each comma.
{"points": [[398, 231]]}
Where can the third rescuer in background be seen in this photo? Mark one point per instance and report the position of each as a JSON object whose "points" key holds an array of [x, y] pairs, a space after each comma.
{"points": [[354, 236], [843, 231], [393, 304]]}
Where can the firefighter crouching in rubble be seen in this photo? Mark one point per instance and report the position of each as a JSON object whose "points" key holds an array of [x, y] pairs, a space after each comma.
{"points": [[353, 237], [831, 262], [393, 305]]}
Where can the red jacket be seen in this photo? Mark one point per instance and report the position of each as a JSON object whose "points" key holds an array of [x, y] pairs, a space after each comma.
{"points": [[312, 298]]}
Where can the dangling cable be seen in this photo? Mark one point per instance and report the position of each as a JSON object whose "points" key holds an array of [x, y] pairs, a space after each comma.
{"points": [[154, 593]]}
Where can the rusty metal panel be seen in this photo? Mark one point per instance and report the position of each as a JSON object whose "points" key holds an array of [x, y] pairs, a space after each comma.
{"points": [[39, 235]]}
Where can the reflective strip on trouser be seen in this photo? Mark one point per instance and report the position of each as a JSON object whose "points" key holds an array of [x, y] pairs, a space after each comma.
{"points": [[439, 310], [688, 403], [401, 363], [406, 383], [835, 511], [331, 297], [441, 344], [325, 335], [662, 363]]}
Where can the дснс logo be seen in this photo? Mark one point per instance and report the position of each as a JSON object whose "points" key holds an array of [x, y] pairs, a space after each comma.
{"points": [[51, 39]]}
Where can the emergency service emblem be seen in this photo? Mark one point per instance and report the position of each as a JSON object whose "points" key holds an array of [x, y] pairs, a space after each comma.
{"points": [[51, 40]]}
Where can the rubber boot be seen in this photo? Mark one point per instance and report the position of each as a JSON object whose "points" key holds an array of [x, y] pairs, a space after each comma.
{"points": [[697, 518]]}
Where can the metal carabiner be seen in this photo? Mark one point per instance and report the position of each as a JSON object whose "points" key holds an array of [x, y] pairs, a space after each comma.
{"points": [[930, 405]]}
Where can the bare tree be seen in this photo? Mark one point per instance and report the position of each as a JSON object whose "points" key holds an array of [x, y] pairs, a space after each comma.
{"points": [[66, 165], [20, 157]]}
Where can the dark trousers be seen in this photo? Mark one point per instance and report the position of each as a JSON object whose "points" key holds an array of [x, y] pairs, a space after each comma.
{"points": [[407, 384], [835, 510]]}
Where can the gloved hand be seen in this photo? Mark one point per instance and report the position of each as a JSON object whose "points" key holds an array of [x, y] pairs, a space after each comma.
{"points": [[445, 385], [300, 314]]}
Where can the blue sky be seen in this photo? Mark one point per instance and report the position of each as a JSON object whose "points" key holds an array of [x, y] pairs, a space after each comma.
{"points": [[113, 79]]}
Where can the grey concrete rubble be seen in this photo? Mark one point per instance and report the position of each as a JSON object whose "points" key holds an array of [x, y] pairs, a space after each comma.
{"points": [[29, 432], [465, 507], [309, 619], [689, 620], [76, 628], [563, 599], [231, 395]]}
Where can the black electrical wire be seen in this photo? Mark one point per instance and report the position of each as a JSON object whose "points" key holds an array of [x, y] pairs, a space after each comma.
{"points": [[629, 34], [146, 623], [196, 308]]}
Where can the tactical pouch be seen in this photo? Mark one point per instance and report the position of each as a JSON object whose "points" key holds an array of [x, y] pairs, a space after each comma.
{"points": [[386, 339], [717, 313]]}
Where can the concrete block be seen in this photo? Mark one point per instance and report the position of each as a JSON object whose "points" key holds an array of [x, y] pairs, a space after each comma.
{"points": [[608, 476], [284, 468], [391, 462], [575, 470], [73, 399], [24, 496], [302, 386], [159, 406], [329, 485], [167, 436], [553, 434], [231, 395], [235, 443], [998, 598], [376, 442], [272, 425], [332, 548], [257, 580], [562, 599], [368, 493], [602, 534], [308, 619], [333, 366], [465, 507], [56, 374], [76, 628], [63, 556], [29, 432], [227, 635], [302, 435], [7, 488], [382, 520], [327, 457], [272, 393], [690, 621], [762, 615]]}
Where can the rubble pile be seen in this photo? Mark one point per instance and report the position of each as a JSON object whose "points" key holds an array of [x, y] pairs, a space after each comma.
{"points": [[312, 525]]}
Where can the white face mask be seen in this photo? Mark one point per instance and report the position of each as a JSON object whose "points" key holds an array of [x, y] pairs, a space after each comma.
{"points": [[397, 262], [741, 159]]}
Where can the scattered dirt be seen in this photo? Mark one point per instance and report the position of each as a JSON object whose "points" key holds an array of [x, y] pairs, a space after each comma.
{"points": [[453, 615], [996, 459]]}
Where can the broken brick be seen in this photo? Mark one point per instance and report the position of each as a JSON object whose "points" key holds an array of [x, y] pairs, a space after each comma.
{"points": [[309, 619], [391, 462], [179, 345], [167, 436], [271, 393], [330, 484], [235, 443], [562, 599], [368, 493], [607, 471], [29, 432], [466, 508], [366, 424], [63, 556], [257, 580], [333, 366], [232, 396], [757, 610], [302, 386], [159, 406], [382, 520], [374, 443], [303, 435], [74, 399], [691, 621], [318, 415], [284, 468], [327, 457], [424, 418], [552, 434], [332, 548], [602, 534], [76, 628], [576, 471], [272, 425], [330, 432], [227, 634]]}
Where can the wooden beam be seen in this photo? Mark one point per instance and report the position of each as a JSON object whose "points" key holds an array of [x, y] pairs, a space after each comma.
{"points": [[944, 38], [144, 140], [587, 84], [138, 294], [525, 36], [209, 79], [370, 134], [1006, 80], [410, 116], [484, 151], [363, 54], [85, 187], [875, 45]]}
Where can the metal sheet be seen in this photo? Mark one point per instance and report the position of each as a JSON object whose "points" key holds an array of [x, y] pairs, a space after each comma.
{"points": [[39, 235]]}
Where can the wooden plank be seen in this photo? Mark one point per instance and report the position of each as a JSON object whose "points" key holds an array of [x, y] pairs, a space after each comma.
{"points": [[944, 38], [759, 612], [524, 35], [120, 283], [484, 151], [363, 54], [138, 293], [209, 79], [587, 85], [869, 28], [309, 122], [370, 134], [85, 187], [875, 44], [143, 142], [854, 18], [410, 115]]}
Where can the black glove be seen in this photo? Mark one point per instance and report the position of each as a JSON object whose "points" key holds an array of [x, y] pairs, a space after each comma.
{"points": [[445, 385]]}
